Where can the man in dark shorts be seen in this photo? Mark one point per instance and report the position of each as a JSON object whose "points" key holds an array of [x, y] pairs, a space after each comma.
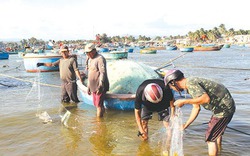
{"points": [[68, 67], [212, 96], [152, 96]]}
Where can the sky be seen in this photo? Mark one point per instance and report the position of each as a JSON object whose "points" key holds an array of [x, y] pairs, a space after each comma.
{"points": [[83, 19]]}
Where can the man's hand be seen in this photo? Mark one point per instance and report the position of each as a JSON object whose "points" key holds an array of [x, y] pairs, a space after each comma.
{"points": [[100, 90], [39, 64], [183, 127], [179, 103], [143, 136], [88, 91]]}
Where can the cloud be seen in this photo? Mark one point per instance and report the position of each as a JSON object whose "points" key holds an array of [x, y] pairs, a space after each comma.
{"points": [[82, 19]]}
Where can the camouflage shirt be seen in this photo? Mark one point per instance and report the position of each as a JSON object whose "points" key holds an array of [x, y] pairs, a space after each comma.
{"points": [[221, 102]]}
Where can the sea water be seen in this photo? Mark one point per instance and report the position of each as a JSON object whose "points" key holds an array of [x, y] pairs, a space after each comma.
{"points": [[23, 133]]}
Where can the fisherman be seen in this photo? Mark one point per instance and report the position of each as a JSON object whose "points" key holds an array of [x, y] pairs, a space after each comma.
{"points": [[68, 67], [98, 83], [152, 96], [212, 96]]}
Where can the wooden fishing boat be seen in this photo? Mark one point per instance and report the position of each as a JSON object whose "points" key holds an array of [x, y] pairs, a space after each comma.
{"points": [[187, 49], [30, 61], [130, 50], [12, 52], [103, 49], [208, 48], [4, 55], [112, 101], [124, 78], [148, 51], [171, 47], [158, 47], [227, 46], [115, 55]]}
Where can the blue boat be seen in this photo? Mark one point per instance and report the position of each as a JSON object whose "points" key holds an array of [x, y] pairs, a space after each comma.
{"points": [[103, 49], [115, 55], [4, 55], [124, 78], [49, 47], [187, 49], [124, 102], [130, 50], [148, 51], [171, 47], [30, 60]]}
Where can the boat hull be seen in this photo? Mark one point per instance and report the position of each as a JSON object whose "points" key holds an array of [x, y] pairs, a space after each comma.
{"points": [[171, 48], [104, 50], [30, 62], [148, 51], [4, 55], [187, 49], [130, 50], [115, 55], [123, 102], [208, 48]]}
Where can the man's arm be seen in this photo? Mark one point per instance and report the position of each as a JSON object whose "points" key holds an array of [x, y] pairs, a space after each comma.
{"points": [[48, 64], [172, 107], [139, 124], [194, 113], [102, 69], [196, 102], [78, 75], [138, 119], [204, 98], [75, 67]]}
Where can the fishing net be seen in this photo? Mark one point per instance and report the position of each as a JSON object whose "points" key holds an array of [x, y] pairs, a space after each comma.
{"points": [[125, 76]]}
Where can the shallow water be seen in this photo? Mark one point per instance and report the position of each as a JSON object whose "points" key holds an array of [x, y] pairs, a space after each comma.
{"points": [[24, 133]]}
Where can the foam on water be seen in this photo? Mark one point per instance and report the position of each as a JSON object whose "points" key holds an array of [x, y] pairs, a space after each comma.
{"points": [[44, 116], [65, 118]]}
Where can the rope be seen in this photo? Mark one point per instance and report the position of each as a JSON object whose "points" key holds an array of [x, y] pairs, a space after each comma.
{"points": [[214, 67], [43, 84], [227, 127], [238, 131], [170, 62]]}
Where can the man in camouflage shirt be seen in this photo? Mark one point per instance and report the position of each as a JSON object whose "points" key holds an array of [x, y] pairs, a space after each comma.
{"points": [[212, 96]]}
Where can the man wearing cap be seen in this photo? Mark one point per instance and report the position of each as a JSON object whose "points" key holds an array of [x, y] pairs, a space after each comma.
{"points": [[68, 67], [152, 96], [212, 96], [98, 83]]}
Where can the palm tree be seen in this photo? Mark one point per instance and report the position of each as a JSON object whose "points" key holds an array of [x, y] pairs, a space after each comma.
{"points": [[222, 29]]}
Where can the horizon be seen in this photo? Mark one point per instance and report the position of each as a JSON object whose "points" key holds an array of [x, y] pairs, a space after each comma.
{"points": [[83, 19]]}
